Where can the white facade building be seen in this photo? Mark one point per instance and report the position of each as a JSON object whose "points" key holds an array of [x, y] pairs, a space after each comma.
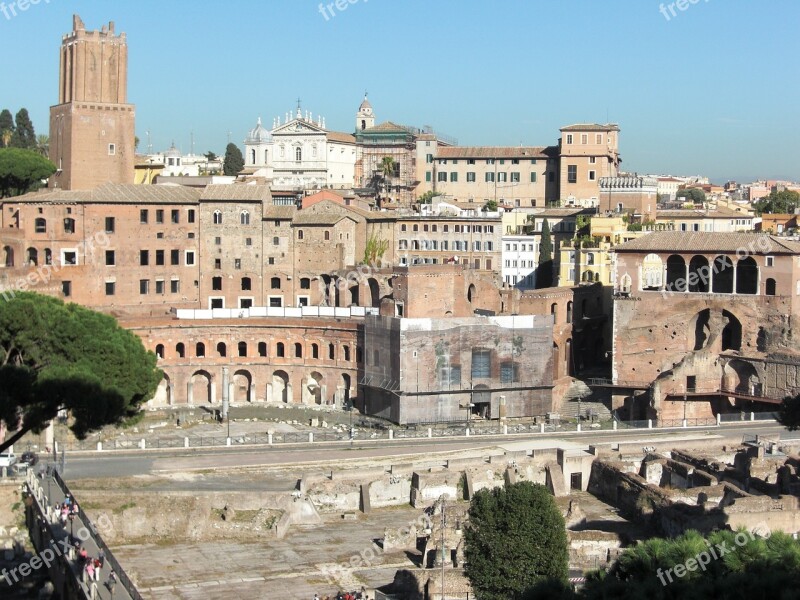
{"points": [[520, 257], [301, 154]]}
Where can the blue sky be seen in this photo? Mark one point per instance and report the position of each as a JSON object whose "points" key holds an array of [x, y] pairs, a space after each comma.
{"points": [[711, 90]]}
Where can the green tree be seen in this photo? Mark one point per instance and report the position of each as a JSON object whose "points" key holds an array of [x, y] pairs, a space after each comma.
{"points": [[789, 413], [490, 206], [387, 169], [544, 272], [22, 171], [695, 195], [515, 539], [234, 161], [374, 250], [43, 145], [782, 202], [428, 197], [56, 356], [210, 156], [24, 136], [136, 141], [6, 128]]}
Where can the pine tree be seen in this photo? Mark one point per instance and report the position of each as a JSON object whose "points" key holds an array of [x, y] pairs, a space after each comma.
{"points": [[24, 136], [544, 272], [234, 161], [6, 128]]}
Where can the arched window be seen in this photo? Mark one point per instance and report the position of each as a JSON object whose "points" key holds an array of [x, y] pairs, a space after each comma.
{"points": [[262, 348], [299, 234], [242, 348], [244, 218], [160, 350], [48, 256], [569, 312], [222, 349], [246, 284], [346, 350], [217, 217], [314, 351], [253, 156], [298, 154], [331, 352], [327, 236], [180, 350], [275, 283], [9, 256], [33, 257], [69, 225], [279, 350], [298, 350], [200, 350], [770, 287], [40, 225]]}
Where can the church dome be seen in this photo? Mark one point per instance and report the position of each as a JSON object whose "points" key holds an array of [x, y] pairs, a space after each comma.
{"points": [[258, 135], [173, 152]]}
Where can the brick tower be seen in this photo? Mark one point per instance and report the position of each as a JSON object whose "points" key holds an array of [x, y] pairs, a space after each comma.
{"points": [[92, 126]]}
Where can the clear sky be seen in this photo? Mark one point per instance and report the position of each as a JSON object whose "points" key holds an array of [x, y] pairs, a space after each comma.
{"points": [[710, 90]]}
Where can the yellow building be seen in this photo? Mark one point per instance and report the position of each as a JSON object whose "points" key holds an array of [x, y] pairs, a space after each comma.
{"points": [[590, 261]]}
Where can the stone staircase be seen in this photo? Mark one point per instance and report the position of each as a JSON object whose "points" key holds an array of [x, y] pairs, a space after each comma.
{"points": [[580, 397]]}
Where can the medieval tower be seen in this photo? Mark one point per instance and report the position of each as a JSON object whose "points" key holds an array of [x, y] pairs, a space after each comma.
{"points": [[92, 126]]}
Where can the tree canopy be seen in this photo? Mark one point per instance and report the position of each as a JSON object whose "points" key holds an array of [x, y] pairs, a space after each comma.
{"points": [[789, 413], [782, 202], [24, 135], [22, 171], [726, 564], [6, 128], [695, 195], [544, 272], [515, 539], [57, 356], [234, 161]]}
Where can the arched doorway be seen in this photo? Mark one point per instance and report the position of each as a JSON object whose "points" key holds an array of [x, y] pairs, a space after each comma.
{"points": [[374, 293], [163, 395], [769, 289], [481, 402], [742, 377], [346, 391], [242, 387], [280, 387], [8, 256], [676, 274], [312, 389], [200, 389], [723, 275], [746, 276], [354, 292], [732, 332], [699, 275]]}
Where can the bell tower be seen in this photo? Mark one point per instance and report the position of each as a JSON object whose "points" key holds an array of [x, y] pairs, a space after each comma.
{"points": [[365, 118], [92, 133]]}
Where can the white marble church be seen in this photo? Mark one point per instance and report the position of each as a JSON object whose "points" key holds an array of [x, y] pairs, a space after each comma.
{"points": [[300, 154]]}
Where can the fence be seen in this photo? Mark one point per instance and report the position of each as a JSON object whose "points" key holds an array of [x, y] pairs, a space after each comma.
{"points": [[122, 577]]}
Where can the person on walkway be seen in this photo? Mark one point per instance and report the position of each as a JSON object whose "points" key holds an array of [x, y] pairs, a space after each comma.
{"points": [[111, 581], [102, 558]]}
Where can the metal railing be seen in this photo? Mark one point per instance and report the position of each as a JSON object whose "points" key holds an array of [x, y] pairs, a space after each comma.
{"points": [[122, 576]]}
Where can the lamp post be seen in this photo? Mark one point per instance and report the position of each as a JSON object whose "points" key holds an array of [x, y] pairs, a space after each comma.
{"points": [[444, 522]]}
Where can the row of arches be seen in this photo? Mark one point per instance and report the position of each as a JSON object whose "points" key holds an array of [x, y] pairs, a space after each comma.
{"points": [[205, 388], [700, 275], [242, 349]]}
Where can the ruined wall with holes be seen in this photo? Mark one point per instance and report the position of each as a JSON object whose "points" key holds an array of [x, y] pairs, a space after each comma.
{"points": [[704, 342]]}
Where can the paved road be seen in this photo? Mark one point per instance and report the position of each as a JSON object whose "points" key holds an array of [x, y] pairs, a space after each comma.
{"points": [[129, 464]]}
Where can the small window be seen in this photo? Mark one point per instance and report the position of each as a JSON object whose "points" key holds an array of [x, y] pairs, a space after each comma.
{"points": [[175, 286], [217, 263], [66, 288], [160, 287], [69, 225], [176, 216], [143, 216], [174, 257], [41, 225], [244, 218], [770, 261], [159, 216], [189, 258], [299, 234], [327, 236], [242, 348], [144, 258], [160, 259], [280, 352], [110, 288], [222, 350], [217, 217], [110, 258], [112, 149], [190, 215], [246, 284], [180, 350], [216, 284], [298, 350], [305, 283], [110, 224], [275, 283], [200, 350], [144, 286], [262, 348]]}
